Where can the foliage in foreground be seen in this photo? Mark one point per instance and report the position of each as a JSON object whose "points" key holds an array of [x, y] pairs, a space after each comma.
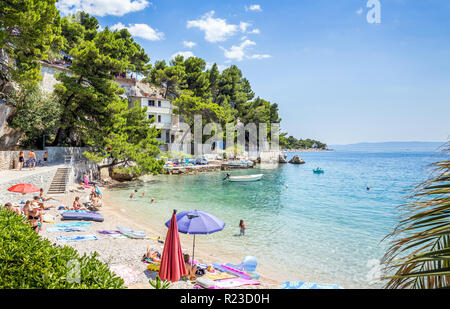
{"points": [[159, 284], [28, 261], [419, 255]]}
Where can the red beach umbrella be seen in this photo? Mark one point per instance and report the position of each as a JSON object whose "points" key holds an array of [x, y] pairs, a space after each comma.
{"points": [[23, 188], [172, 262]]}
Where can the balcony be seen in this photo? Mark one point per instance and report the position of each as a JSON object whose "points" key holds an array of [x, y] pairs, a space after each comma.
{"points": [[159, 110]]}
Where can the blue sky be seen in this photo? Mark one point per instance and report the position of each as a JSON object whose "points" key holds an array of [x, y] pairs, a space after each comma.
{"points": [[336, 77]]}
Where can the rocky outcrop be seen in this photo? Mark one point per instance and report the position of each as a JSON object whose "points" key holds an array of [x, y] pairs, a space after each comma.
{"points": [[282, 158], [296, 160]]}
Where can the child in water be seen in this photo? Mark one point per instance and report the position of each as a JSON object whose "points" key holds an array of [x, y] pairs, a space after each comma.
{"points": [[132, 194], [242, 226]]}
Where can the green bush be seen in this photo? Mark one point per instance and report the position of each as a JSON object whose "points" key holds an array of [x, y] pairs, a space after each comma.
{"points": [[28, 261]]}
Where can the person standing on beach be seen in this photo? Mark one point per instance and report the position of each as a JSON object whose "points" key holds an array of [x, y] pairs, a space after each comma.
{"points": [[242, 227], [21, 160], [31, 159], [45, 158], [132, 194]]}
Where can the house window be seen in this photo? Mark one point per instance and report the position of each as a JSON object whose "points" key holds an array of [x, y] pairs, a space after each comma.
{"points": [[159, 134], [167, 136], [159, 118], [172, 138], [159, 103], [151, 116], [151, 102]]}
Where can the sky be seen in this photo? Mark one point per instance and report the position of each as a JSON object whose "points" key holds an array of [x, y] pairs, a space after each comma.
{"points": [[340, 72]]}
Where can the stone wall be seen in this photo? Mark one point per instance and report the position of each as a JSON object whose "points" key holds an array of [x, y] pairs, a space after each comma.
{"points": [[9, 159]]}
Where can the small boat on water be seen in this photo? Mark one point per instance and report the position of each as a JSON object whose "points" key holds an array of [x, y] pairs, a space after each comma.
{"points": [[318, 171], [245, 178]]}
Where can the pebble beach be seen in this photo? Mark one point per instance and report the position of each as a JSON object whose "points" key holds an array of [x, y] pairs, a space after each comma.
{"points": [[113, 251]]}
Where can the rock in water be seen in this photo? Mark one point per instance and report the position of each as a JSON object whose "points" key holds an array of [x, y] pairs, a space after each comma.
{"points": [[296, 160], [282, 158]]}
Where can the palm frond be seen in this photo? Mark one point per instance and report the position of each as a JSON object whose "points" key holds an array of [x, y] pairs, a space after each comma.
{"points": [[419, 252]]}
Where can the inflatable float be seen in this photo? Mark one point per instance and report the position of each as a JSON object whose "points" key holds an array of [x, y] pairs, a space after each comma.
{"points": [[82, 215]]}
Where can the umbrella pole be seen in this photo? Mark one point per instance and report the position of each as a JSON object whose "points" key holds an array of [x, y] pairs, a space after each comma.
{"points": [[193, 250]]}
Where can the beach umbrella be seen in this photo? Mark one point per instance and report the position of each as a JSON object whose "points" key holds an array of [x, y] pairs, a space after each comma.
{"points": [[197, 222], [23, 188], [172, 265]]}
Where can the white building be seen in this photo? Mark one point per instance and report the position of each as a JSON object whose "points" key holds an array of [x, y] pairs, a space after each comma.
{"points": [[158, 108]]}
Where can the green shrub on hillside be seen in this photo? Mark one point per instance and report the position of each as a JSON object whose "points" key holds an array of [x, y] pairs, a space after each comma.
{"points": [[30, 261]]}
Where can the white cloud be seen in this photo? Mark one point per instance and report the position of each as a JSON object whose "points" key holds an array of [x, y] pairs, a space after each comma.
{"points": [[189, 44], [216, 29], [253, 7], [220, 67], [102, 7], [254, 31], [185, 54], [143, 31], [238, 52], [243, 26], [360, 11], [259, 56]]}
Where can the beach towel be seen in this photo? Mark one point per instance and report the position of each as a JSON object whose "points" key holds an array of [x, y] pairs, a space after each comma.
{"points": [[112, 234], [234, 282], [66, 229], [300, 285], [234, 271], [219, 276], [128, 274], [76, 238], [73, 224]]}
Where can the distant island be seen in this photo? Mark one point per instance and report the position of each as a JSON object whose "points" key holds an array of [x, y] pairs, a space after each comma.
{"points": [[390, 146], [293, 144]]}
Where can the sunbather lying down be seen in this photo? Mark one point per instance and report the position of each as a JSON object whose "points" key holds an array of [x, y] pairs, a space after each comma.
{"points": [[150, 256]]}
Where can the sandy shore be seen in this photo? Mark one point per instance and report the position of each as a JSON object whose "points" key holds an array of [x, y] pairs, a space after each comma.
{"points": [[129, 251]]}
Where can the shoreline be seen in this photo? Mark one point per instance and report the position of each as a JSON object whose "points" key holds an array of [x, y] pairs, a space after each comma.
{"points": [[130, 251], [204, 254]]}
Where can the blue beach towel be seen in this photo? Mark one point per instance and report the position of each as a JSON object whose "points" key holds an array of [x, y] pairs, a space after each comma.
{"points": [[76, 238], [73, 224], [66, 229], [300, 285]]}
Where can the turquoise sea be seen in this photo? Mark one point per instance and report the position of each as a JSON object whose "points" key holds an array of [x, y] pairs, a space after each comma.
{"points": [[302, 226]]}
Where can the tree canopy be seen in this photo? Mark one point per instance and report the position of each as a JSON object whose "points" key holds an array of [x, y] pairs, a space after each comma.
{"points": [[28, 28]]}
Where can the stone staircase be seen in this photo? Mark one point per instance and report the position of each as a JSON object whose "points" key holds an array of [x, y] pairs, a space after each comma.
{"points": [[60, 181]]}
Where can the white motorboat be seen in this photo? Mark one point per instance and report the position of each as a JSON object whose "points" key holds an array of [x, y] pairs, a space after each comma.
{"points": [[244, 178]]}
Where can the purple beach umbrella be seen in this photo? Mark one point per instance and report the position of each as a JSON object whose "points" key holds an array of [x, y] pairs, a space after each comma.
{"points": [[197, 222]]}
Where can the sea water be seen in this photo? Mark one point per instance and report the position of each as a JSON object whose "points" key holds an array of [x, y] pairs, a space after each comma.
{"points": [[326, 228]]}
